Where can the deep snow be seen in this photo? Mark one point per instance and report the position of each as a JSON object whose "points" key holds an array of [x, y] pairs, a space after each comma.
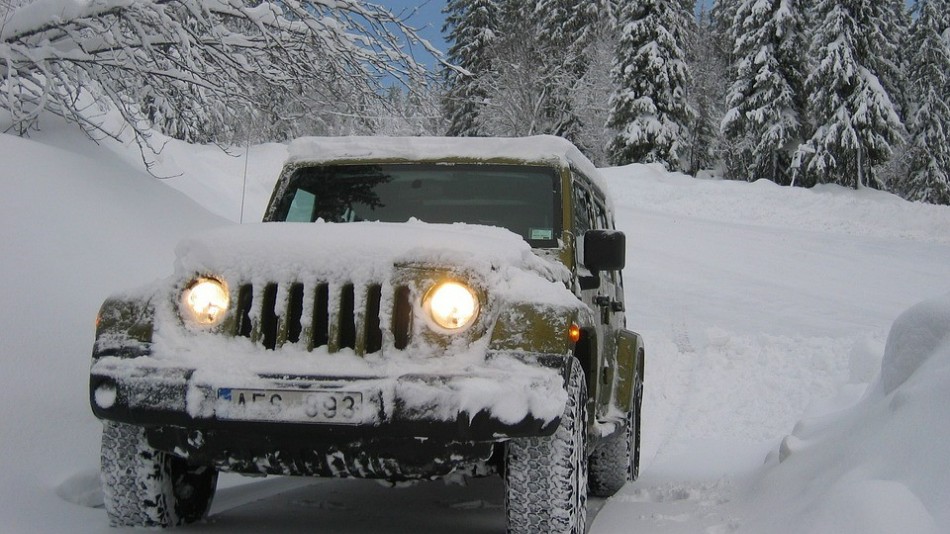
{"points": [[766, 312]]}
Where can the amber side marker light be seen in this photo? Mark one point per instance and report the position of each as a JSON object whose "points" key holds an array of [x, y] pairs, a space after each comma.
{"points": [[574, 333]]}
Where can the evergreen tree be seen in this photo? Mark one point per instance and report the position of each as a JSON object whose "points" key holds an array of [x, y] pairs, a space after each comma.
{"points": [[707, 65], [857, 122], [894, 31], [472, 27], [539, 78], [524, 77], [929, 76], [722, 17], [766, 97], [730, 154], [650, 109], [567, 30]]}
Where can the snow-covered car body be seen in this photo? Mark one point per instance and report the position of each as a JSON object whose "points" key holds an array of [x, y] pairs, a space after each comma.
{"points": [[328, 355]]}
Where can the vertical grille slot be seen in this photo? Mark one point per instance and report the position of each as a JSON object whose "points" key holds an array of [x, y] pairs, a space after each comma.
{"points": [[269, 317], [322, 314], [402, 317], [294, 313], [347, 318], [373, 334], [321, 317], [244, 301]]}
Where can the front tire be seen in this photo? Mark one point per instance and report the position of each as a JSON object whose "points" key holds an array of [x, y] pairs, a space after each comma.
{"points": [[145, 487], [546, 477]]}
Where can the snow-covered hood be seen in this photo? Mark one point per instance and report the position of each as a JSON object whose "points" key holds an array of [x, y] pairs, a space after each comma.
{"points": [[361, 252]]}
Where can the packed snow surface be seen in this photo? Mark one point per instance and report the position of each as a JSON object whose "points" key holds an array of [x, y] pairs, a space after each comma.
{"points": [[785, 391]]}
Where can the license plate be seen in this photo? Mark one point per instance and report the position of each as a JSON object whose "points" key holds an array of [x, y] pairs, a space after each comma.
{"points": [[339, 407]]}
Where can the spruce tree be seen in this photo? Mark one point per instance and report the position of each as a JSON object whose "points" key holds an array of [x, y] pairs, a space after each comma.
{"points": [[730, 154], [857, 122], [722, 15], [472, 27], [766, 99], [929, 77], [567, 29], [650, 109], [707, 65]]}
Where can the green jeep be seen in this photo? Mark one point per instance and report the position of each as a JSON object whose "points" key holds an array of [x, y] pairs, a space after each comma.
{"points": [[410, 309]]}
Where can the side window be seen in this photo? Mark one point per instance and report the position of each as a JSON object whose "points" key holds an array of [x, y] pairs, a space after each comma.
{"points": [[301, 209], [601, 214], [582, 212]]}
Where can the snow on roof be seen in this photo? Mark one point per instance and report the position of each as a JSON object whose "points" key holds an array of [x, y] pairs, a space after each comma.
{"points": [[540, 149]]}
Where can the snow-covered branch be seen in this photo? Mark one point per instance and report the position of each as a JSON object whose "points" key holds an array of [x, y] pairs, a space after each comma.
{"points": [[193, 68]]}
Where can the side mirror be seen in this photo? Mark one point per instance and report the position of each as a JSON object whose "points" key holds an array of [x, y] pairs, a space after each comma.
{"points": [[605, 250]]}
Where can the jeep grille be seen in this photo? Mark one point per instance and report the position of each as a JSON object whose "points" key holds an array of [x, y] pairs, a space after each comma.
{"points": [[324, 315]]}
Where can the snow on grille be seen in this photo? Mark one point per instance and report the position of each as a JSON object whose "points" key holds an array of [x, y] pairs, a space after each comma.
{"points": [[323, 314]]}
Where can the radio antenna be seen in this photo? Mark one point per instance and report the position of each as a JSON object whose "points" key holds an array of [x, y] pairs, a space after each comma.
{"points": [[247, 156]]}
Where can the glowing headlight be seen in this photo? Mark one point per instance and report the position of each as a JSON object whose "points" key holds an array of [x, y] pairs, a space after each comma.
{"points": [[205, 301], [451, 305]]}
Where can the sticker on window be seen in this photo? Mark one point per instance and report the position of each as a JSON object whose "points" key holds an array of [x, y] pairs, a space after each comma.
{"points": [[541, 233]]}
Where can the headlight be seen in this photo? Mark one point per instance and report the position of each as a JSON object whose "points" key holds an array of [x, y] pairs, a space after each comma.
{"points": [[205, 301], [451, 305]]}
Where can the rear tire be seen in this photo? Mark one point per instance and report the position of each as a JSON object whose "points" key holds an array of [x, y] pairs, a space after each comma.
{"points": [[617, 460], [144, 487], [546, 477]]}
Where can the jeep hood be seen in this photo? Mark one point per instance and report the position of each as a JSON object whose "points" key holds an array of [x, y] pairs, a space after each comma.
{"points": [[370, 251]]}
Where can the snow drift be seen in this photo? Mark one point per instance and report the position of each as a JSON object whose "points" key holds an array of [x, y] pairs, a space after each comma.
{"points": [[880, 466]]}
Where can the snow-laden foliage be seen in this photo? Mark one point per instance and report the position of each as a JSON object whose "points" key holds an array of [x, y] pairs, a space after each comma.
{"points": [[650, 109], [197, 69], [535, 68], [857, 121], [472, 26], [709, 55], [929, 123], [590, 96], [765, 117]]}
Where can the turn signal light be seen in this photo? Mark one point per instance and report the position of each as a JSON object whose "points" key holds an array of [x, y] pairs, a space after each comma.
{"points": [[574, 333]]}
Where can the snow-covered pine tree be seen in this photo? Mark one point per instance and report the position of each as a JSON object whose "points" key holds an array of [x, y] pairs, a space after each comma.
{"points": [[650, 109], [857, 123], [708, 64], [729, 153], [722, 16], [766, 99], [472, 27], [540, 58], [893, 33], [592, 92], [929, 121], [567, 29], [519, 84]]}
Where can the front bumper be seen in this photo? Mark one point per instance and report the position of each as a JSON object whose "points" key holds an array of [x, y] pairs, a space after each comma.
{"points": [[490, 403]]}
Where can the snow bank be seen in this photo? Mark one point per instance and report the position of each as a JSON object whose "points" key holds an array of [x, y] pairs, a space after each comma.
{"points": [[880, 466], [825, 208], [919, 334], [78, 224]]}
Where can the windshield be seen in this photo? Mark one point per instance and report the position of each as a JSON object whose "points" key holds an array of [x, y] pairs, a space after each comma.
{"points": [[523, 199]]}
